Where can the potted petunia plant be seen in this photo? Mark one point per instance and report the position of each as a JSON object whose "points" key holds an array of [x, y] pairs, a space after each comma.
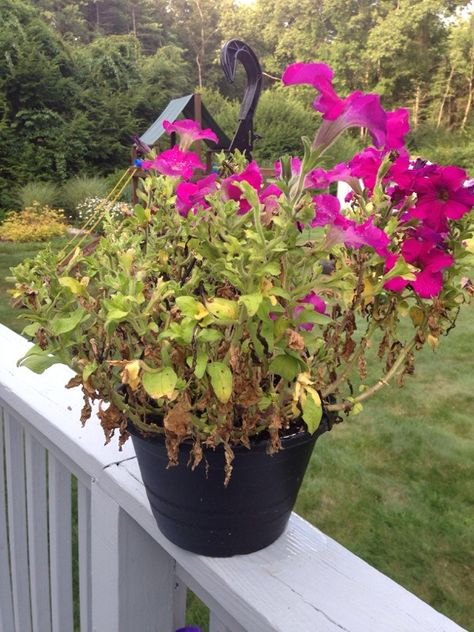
{"points": [[225, 324]]}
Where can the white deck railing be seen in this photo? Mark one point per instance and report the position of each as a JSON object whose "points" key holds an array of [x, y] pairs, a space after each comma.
{"points": [[130, 577]]}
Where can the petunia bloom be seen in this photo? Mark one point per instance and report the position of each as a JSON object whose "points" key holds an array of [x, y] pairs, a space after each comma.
{"points": [[421, 249], [191, 195], [442, 196], [345, 230], [320, 76], [189, 131], [318, 303], [231, 191], [174, 162], [397, 127], [356, 110]]}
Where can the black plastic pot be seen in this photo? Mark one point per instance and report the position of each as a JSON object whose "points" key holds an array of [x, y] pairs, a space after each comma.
{"points": [[197, 512]]}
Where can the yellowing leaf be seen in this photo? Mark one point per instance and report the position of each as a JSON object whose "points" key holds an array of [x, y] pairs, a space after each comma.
{"points": [[130, 374], [221, 380], [416, 315], [312, 410], [73, 284], [189, 306], [223, 308], [159, 383]]}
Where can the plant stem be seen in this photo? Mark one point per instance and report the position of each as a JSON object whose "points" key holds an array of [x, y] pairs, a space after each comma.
{"points": [[347, 405], [331, 388]]}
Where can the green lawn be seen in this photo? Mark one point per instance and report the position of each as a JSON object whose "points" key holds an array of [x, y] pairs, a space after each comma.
{"points": [[395, 484]]}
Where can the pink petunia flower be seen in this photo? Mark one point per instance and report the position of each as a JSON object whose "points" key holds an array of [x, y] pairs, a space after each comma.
{"points": [[191, 195], [345, 230], [318, 303], [230, 191], [398, 126], [442, 196], [421, 249], [269, 198], [320, 76], [174, 162], [356, 110], [189, 131]]}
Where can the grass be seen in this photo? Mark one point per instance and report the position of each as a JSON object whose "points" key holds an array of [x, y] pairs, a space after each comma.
{"points": [[394, 484]]}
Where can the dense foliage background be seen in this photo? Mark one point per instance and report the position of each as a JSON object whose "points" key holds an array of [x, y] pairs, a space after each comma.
{"points": [[77, 77]]}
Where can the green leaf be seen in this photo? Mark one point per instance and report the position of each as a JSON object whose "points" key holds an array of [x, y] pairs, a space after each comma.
{"points": [[116, 315], [31, 329], [249, 192], [251, 302], [272, 268], [221, 380], [143, 215], [286, 366], [312, 316], [38, 360], [63, 325], [201, 363], [312, 410], [89, 369], [209, 335], [159, 383]]}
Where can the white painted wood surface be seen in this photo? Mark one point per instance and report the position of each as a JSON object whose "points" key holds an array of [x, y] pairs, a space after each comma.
{"points": [[17, 532], [37, 511], [84, 551], [60, 545], [303, 582], [216, 625], [142, 590], [6, 604]]}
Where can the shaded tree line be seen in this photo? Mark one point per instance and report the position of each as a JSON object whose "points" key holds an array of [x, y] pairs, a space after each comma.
{"points": [[78, 77]]}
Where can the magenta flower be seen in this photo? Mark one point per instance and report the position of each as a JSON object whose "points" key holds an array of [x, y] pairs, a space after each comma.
{"points": [[320, 76], [295, 163], [320, 178], [191, 195], [355, 110], [269, 198], [345, 230], [398, 126], [422, 250], [327, 210], [174, 162], [230, 191], [189, 131], [365, 165], [318, 303], [442, 196]]}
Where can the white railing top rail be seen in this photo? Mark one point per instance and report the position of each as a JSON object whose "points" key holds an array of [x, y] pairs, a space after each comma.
{"points": [[304, 582]]}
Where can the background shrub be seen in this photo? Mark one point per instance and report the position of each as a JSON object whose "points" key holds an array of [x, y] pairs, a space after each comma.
{"points": [[78, 189], [112, 179], [34, 223], [42, 193]]}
